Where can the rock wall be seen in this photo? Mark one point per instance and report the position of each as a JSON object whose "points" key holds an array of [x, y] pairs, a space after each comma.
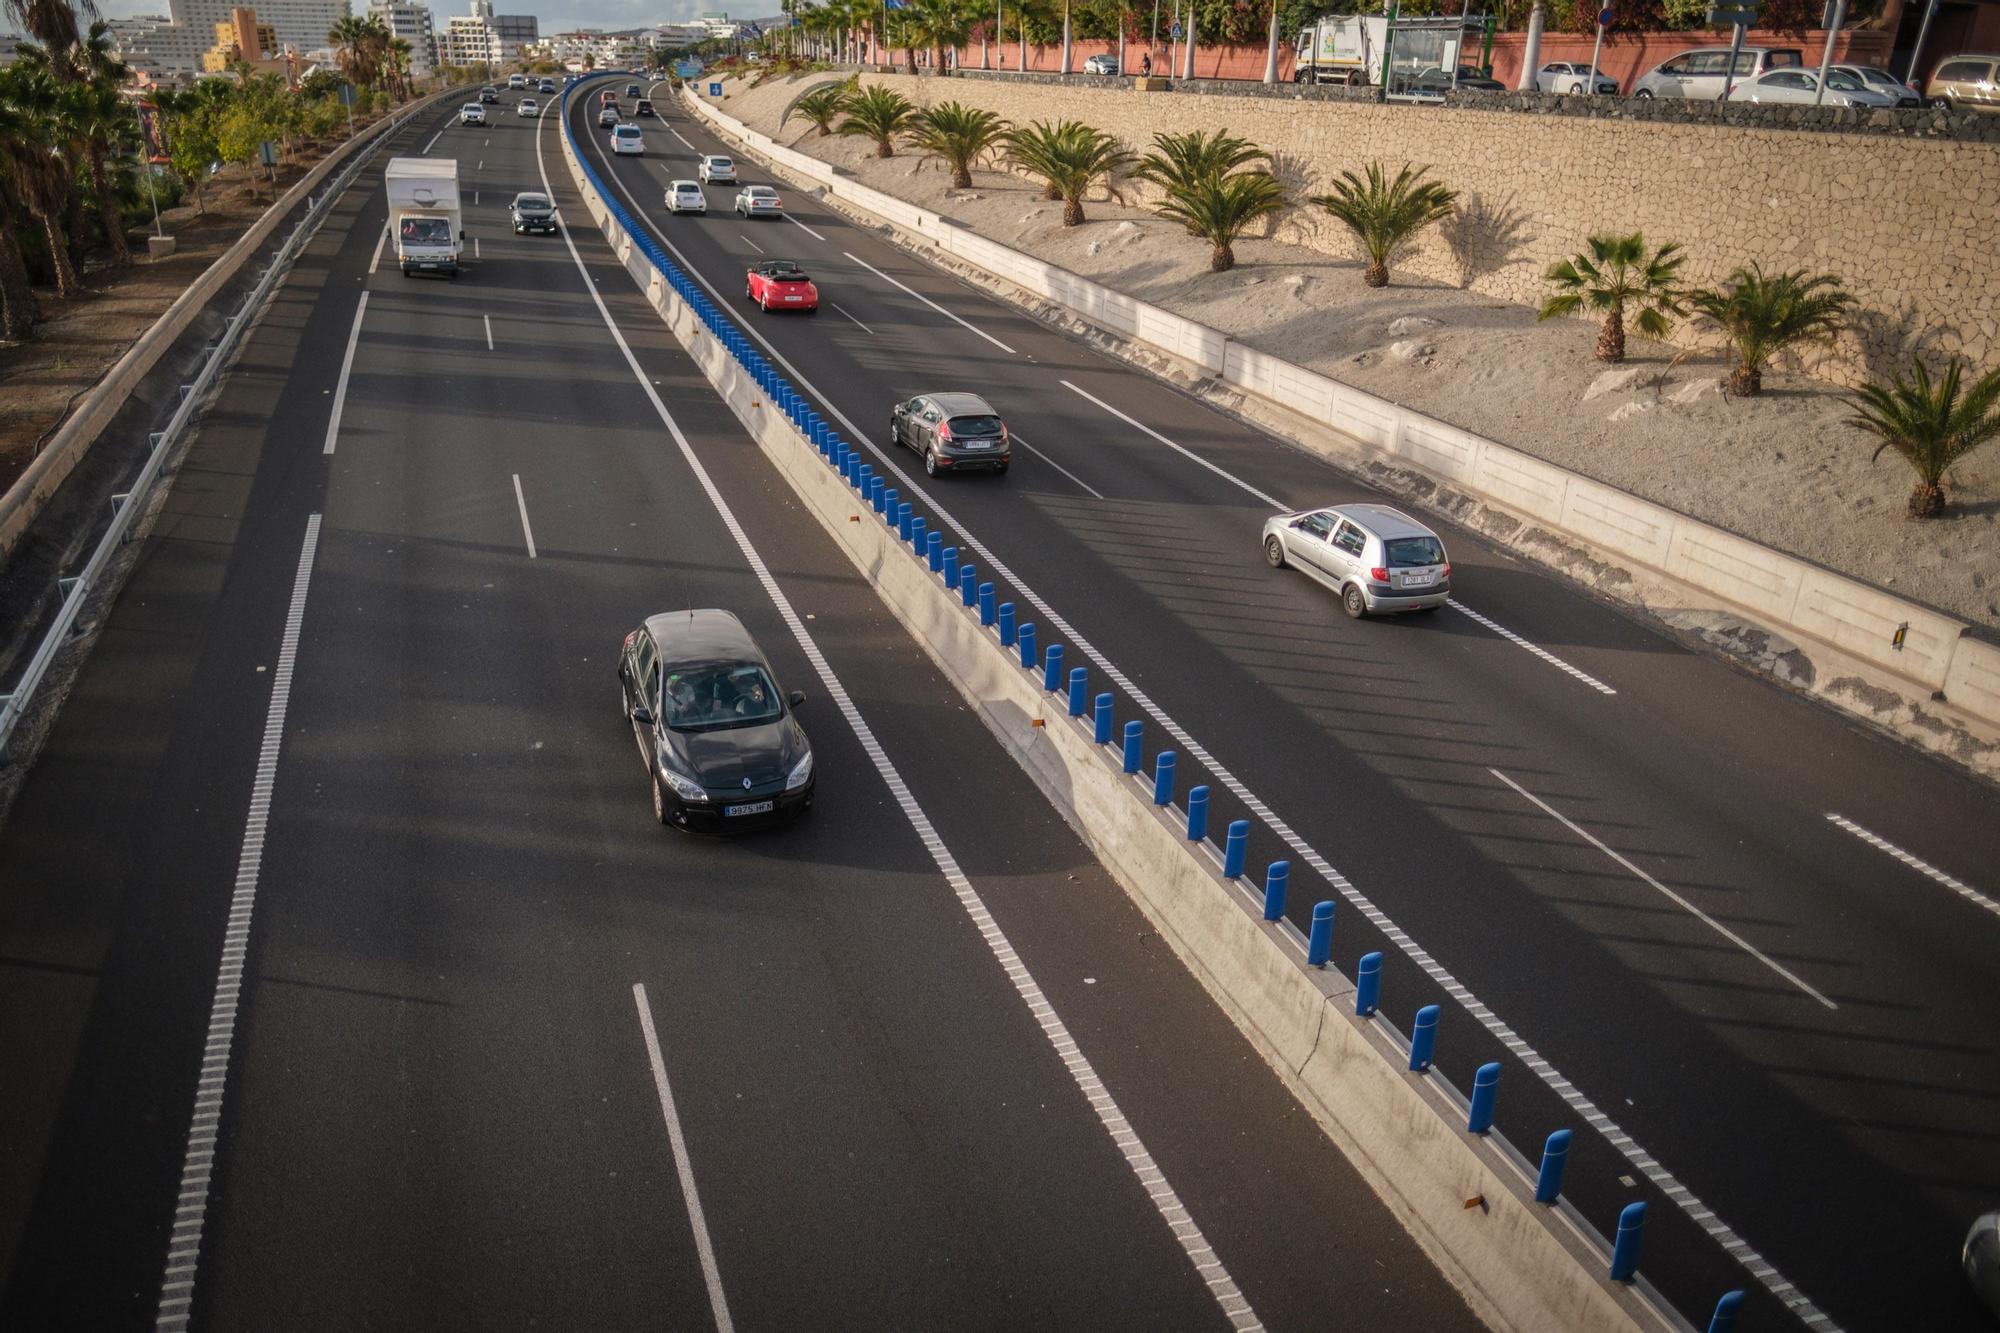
{"points": [[1908, 219]]}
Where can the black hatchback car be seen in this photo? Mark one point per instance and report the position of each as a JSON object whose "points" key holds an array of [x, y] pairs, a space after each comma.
{"points": [[955, 432], [722, 748]]}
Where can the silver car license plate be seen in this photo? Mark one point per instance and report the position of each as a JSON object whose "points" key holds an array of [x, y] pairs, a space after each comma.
{"points": [[753, 808], [1418, 580]]}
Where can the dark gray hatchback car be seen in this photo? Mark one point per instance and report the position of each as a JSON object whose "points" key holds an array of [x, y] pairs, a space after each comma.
{"points": [[955, 432]]}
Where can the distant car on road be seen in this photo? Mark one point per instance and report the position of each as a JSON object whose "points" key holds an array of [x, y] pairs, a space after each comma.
{"points": [[627, 139], [716, 170], [953, 431], [489, 94], [1376, 558], [631, 90], [1971, 82], [547, 88], [759, 201], [644, 107], [782, 285], [472, 114], [686, 197], [723, 751], [532, 211], [1101, 65], [1569, 76], [607, 118], [1801, 87], [1701, 74], [1882, 81], [527, 107]]}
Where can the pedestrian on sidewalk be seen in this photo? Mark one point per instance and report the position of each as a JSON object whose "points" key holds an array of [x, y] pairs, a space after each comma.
{"points": [[1146, 64]]}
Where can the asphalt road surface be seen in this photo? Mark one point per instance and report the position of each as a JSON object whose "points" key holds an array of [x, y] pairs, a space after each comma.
{"points": [[1649, 884], [492, 1049]]}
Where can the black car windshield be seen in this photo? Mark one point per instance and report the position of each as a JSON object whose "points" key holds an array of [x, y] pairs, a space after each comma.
{"points": [[531, 201], [977, 427], [1410, 552], [715, 697]]}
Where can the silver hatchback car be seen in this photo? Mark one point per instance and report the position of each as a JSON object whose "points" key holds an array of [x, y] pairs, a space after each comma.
{"points": [[1377, 558]]}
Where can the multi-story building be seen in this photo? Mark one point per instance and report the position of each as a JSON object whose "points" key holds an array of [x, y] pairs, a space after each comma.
{"points": [[174, 44], [516, 31], [411, 22], [243, 40], [483, 37]]}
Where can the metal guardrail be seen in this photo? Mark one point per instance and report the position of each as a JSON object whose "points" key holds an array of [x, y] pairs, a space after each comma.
{"points": [[126, 504]]}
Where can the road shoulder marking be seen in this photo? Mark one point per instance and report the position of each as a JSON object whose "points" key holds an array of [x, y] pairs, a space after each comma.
{"points": [[711, 1272], [1924, 868], [932, 304], [521, 502], [346, 369]]}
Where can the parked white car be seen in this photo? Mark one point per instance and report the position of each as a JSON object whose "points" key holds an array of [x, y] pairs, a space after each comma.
{"points": [[1101, 65], [627, 139], [1701, 75], [716, 170], [1882, 81], [686, 197], [1568, 76], [1801, 87]]}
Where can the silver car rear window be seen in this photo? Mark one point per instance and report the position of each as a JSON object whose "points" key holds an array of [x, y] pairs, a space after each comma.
{"points": [[1413, 552], [976, 426]]}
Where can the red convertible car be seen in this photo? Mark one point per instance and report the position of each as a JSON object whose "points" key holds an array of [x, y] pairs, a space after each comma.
{"points": [[780, 284]]}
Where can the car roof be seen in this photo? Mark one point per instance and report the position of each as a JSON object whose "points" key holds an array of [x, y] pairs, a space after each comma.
{"points": [[703, 635], [1383, 521], [962, 404], [754, 189], [716, 157]]}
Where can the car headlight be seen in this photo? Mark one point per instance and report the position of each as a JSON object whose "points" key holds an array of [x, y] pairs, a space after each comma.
{"points": [[801, 773], [683, 785]]}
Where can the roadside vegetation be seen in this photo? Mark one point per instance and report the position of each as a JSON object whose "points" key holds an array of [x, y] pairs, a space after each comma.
{"points": [[1615, 272], [1385, 215], [1931, 423]]}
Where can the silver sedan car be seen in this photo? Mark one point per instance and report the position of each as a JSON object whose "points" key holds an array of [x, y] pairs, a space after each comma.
{"points": [[1377, 559]]}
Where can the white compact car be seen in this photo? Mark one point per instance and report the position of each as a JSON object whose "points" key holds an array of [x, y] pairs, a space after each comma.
{"points": [[472, 114], [527, 107], [717, 170], [1800, 87], [686, 197], [627, 139], [759, 201]]}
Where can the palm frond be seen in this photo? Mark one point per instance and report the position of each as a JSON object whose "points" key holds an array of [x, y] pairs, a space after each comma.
{"points": [[1386, 215]]}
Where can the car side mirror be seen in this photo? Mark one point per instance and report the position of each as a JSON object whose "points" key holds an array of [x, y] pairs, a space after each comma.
{"points": [[642, 715], [796, 697]]}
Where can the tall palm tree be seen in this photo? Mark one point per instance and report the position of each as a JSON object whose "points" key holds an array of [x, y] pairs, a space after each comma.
{"points": [[879, 114], [1761, 316], [943, 25], [1217, 208], [397, 57], [958, 135], [1931, 424], [1071, 157], [39, 169], [18, 308], [105, 124], [819, 107], [1615, 272], [52, 23], [1386, 215]]}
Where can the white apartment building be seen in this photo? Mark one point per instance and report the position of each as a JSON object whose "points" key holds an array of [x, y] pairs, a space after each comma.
{"points": [[173, 44], [412, 23], [483, 37]]}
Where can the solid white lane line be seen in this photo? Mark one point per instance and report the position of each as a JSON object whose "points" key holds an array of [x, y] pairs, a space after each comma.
{"points": [[488, 321], [802, 226], [752, 244], [711, 1273], [522, 501], [184, 1243], [1951, 882], [1235, 1306], [346, 369], [1662, 889], [1539, 651], [425, 150], [933, 305], [683, 138], [1754, 1263], [857, 323], [1057, 466], [475, 247], [380, 241], [1180, 449]]}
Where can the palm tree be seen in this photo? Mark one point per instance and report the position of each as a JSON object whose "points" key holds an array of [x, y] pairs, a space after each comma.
{"points": [[1071, 157], [1181, 161], [943, 25], [350, 41], [38, 167], [959, 135], [18, 308], [1386, 215], [820, 106], [104, 122], [398, 52], [52, 23], [1617, 270], [1761, 316], [879, 114], [1217, 208], [1930, 424]]}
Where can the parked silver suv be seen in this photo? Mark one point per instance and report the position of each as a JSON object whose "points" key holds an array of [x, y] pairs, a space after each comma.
{"points": [[1377, 558], [1701, 74]]}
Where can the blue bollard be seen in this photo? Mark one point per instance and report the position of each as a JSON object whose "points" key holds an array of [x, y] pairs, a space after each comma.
{"points": [[1235, 845], [1052, 668], [887, 509], [863, 476], [1163, 778], [918, 533], [985, 604], [1625, 1250], [1555, 1157], [878, 493], [1197, 812], [1135, 733], [951, 566], [1024, 639], [904, 513], [834, 442], [966, 577], [1079, 685], [934, 551], [1423, 1038], [842, 458], [1277, 880], [1724, 1318], [1485, 1089], [1368, 984], [1319, 940], [1005, 618], [1103, 733]]}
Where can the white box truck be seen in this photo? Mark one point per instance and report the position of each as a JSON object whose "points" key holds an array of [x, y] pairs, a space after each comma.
{"points": [[1354, 48], [424, 215]]}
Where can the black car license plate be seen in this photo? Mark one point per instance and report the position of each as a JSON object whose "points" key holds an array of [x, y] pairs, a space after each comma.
{"points": [[752, 808]]}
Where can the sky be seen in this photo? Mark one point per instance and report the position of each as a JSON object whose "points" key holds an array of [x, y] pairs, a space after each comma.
{"points": [[555, 15]]}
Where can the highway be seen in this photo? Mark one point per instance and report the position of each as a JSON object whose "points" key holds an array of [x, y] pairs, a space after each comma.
{"points": [[349, 983], [1653, 886]]}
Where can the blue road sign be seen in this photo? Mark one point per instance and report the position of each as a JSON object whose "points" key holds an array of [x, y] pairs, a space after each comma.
{"points": [[1175, 32], [1604, 17], [715, 90]]}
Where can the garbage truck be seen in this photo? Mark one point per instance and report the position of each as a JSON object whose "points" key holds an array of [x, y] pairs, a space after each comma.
{"points": [[424, 214], [1356, 49]]}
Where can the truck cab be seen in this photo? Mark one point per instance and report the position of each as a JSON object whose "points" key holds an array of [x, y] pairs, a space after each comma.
{"points": [[424, 215], [1360, 50]]}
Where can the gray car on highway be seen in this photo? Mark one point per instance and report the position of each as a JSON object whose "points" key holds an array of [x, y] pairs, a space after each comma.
{"points": [[1376, 558], [955, 432]]}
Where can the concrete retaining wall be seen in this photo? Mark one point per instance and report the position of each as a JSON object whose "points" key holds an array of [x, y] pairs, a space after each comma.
{"points": [[1523, 1266], [1787, 594]]}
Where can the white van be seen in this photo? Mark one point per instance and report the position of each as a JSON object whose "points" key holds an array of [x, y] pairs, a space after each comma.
{"points": [[517, 81]]}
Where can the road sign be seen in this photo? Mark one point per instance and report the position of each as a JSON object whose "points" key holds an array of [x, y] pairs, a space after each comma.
{"points": [[1742, 16], [1175, 32], [267, 153], [1604, 17], [347, 94], [715, 90]]}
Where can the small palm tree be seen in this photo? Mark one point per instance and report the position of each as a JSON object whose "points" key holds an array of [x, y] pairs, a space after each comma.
{"points": [[1181, 161], [959, 135], [1217, 208], [1386, 215], [1614, 272], [1931, 424], [1761, 316], [1071, 157], [821, 106], [879, 114]]}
